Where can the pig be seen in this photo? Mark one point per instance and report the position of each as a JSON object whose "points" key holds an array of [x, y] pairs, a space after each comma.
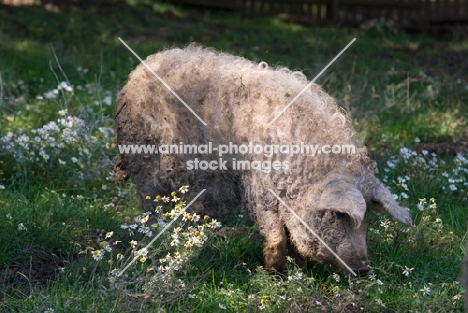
{"points": [[310, 155]]}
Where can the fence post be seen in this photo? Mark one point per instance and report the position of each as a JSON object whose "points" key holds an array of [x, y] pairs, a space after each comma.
{"points": [[333, 13]]}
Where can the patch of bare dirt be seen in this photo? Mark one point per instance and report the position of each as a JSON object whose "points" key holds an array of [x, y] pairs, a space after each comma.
{"points": [[34, 264], [445, 148]]}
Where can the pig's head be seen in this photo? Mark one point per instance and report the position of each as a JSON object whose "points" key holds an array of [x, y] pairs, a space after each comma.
{"points": [[338, 218]]}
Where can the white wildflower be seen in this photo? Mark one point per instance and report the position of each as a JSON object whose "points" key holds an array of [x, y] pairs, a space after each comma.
{"points": [[407, 271], [426, 290]]}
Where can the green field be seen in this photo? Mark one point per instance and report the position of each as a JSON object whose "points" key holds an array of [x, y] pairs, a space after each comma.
{"points": [[61, 212]]}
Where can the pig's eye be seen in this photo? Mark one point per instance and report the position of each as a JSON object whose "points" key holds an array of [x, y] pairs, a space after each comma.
{"points": [[343, 219], [340, 215]]}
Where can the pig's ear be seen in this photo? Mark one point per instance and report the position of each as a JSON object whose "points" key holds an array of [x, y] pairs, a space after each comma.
{"points": [[382, 197], [341, 196]]}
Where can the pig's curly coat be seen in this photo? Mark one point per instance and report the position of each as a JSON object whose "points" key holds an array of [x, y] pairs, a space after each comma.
{"points": [[237, 99]]}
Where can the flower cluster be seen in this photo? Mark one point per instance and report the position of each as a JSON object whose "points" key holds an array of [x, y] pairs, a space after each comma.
{"points": [[54, 93], [65, 143], [429, 214], [387, 232], [455, 179], [177, 244]]}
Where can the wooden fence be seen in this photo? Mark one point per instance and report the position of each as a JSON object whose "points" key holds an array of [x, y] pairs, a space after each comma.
{"points": [[406, 13]]}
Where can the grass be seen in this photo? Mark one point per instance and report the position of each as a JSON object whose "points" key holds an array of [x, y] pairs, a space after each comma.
{"points": [[67, 67]]}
